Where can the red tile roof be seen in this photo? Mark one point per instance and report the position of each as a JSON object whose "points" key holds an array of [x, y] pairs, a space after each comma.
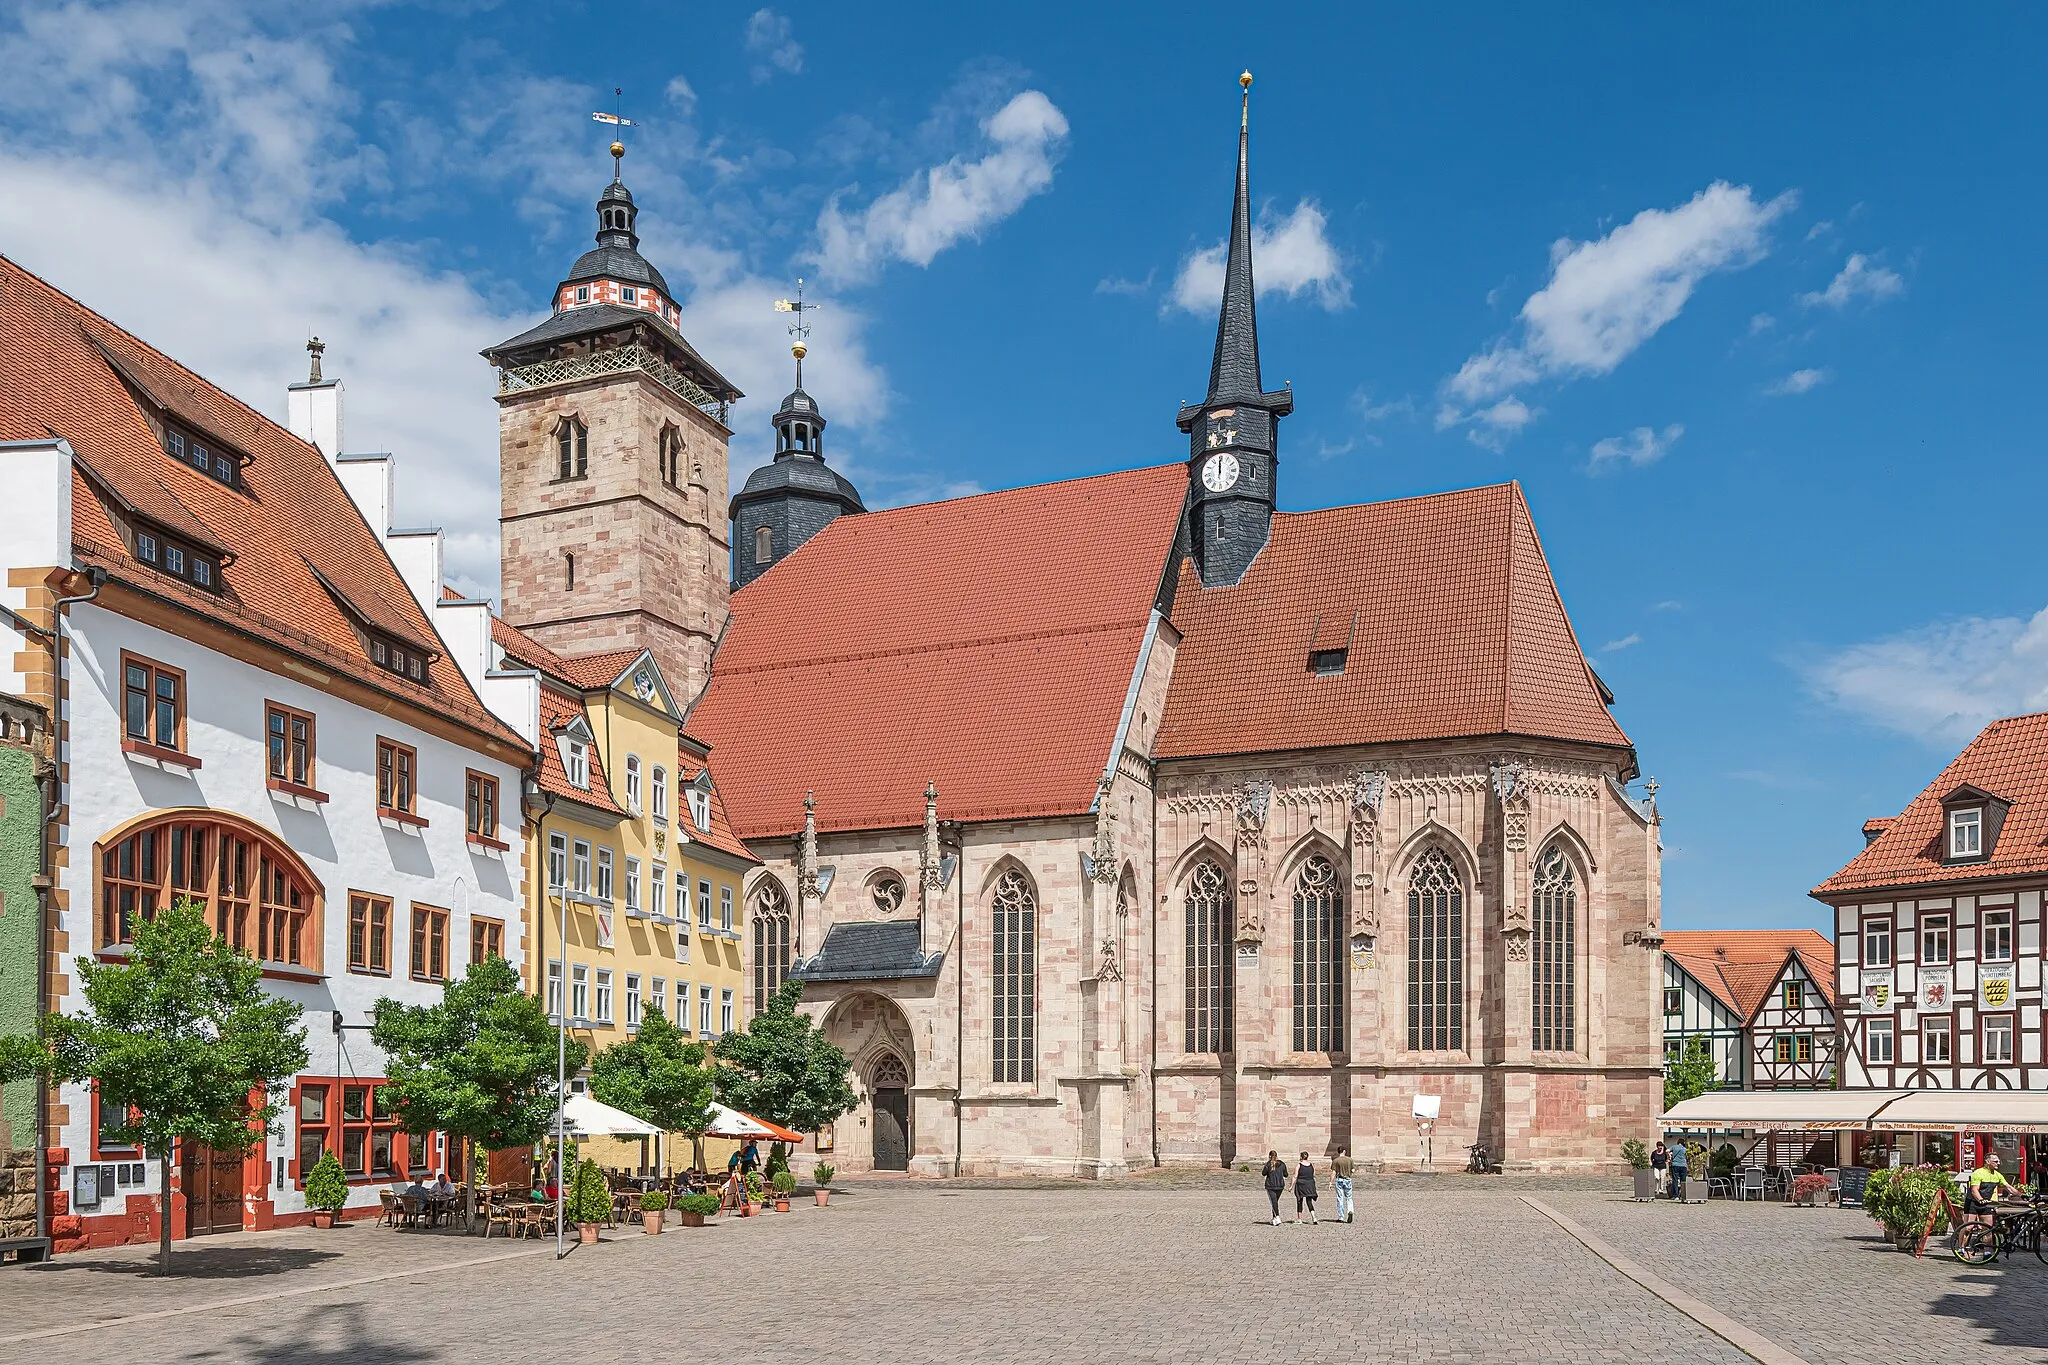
{"points": [[984, 643], [2009, 760], [1446, 604], [558, 711], [720, 835], [1740, 966], [66, 370]]}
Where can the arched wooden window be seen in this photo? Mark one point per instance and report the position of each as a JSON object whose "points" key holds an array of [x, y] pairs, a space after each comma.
{"points": [[764, 545], [572, 449], [250, 888], [1553, 966], [1436, 955], [771, 942], [1208, 966], [1015, 922], [1318, 958]]}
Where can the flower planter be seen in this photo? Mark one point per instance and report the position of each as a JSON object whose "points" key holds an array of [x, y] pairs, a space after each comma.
{"points": [[323, 1218], [822, 1196], [686, 1219], [746, 1210], [781, 1205], [1905, 1241], [1693, 1191], [1646, 1183], [651, 1219], [586, 1234]]}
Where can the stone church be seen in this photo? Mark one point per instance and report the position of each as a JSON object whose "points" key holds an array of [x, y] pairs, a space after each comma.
{"points": [[1125, 820]]}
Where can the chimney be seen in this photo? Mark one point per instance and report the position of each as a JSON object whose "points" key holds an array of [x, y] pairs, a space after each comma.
{"points": [[313, 409]]}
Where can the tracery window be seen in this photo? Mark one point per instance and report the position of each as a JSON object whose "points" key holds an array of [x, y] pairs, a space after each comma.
{"points": [[1208, 965], [1436, 955], [1318, 960], [1553, 950], [250, 890], [771, 941], [1015, 922]]}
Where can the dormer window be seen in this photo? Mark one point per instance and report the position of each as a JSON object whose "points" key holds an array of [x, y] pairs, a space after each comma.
{"points": [[198, 567], [201, 453], [1966, 833], [700, 809], [576, 762], [394, 657], [1327, 663]]}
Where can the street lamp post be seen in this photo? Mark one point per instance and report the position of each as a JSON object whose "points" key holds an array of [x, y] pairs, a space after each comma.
{"points": [[562, 1082]]}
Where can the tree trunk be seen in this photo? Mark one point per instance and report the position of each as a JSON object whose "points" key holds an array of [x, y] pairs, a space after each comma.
{"points": [[163, 1236]]}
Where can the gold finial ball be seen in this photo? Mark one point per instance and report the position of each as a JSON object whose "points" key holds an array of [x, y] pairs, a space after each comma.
{"points": [[618, 149], [1245, 80], [797, 350]]}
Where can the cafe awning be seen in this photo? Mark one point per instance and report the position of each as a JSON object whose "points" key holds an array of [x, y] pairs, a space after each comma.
{"points": [[1782, 1111], [585, 1117], [1977, 1111], [727, 1122]]}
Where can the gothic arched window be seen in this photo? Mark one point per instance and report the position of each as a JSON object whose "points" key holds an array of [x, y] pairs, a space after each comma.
{"points": [[764, 545], [670, 450], [1436, 955], [771, 941], [1015, 922], [1208, 968], [572, 449], [1318, 959], [1553, 966]]}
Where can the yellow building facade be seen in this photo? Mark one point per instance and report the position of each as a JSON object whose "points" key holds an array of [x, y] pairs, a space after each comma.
{"points": [[633, 876]]}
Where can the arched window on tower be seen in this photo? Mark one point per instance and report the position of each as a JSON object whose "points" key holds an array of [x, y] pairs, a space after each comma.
{"points": [[1318, 958], [1436, 955], [1553, 965], [670, 445], [764, 545], [572, 449], [771, 942], [1014, 919], [803, 436], [1208, 963]]}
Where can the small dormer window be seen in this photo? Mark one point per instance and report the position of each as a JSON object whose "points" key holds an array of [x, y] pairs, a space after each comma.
{"points": [[583, 293], [700, 809], [1966, 833], [145, 547], [201, 454], [629, 294], [1327, 663], [576, 762]]}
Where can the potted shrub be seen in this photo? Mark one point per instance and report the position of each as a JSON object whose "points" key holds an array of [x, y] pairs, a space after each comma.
{"points": [[1696, 1158], [326, 1190], [589, 1201], [1903, 1200], [693, 1209], [752, 1186], [653, 1209], [822, 1174], [1638, 1158], [785, 1186], [1809, 1189]]}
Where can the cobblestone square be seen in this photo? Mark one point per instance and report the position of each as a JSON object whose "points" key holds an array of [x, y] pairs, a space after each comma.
{"points": [[1432, 1270]]}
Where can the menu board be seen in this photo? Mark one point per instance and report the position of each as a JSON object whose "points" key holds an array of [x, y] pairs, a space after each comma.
{"points": [[1855, 1179]]}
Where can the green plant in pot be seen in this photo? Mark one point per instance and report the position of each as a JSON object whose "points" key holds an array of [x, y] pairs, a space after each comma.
{"points": [[753, 1187], [1904, 1200], [1638, 1158], [653, 1210], [326, 1190], [693, 1209], [821, 1174], [589, 1201], [784, 1185]]}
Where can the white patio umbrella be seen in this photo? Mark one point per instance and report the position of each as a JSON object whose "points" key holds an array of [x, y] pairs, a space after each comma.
{"points": [[584, 1117], [727, 1122]]}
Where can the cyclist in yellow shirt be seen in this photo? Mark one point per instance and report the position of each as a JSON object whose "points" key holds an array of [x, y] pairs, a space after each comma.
{"points": [[1986, 1186]]}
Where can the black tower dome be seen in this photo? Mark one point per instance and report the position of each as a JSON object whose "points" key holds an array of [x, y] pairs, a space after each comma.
{"points": [[794, 497], [1233, 452]]}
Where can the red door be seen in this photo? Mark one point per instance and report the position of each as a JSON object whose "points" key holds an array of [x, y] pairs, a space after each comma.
{"points": [[213, 1191]]}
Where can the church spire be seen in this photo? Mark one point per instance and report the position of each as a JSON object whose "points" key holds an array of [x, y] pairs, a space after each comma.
{"points": [[1233, 452]]}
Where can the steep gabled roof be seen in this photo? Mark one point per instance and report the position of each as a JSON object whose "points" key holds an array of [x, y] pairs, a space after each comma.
{"points": [[720, 835], [1741, 967], [1445, 604], [558, 711], [2008, 760], [985, 644], [304, 561]]}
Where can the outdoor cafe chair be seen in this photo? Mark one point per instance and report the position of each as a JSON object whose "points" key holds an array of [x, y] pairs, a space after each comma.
{"points": [[1722, 1185], [1752, 1183], [500, 1214], [388, 1211], [1834, 1175]]}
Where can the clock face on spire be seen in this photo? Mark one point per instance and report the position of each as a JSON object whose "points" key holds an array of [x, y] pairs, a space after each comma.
{"points": [[1219, 472]]}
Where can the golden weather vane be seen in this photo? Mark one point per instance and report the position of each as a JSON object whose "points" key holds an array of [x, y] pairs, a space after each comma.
{"points": [[800, 329], [616, 119]]}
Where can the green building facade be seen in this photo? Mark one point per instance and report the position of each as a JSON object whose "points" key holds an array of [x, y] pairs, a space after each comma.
{"points": [[23, 742]]}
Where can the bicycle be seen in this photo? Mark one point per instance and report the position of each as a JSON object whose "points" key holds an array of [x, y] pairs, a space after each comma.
{"points": [[2019, 1230], [1479, 1161]]}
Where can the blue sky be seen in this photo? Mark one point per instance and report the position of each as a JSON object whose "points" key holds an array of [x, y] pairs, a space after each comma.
{"points": [[1752, 308]]}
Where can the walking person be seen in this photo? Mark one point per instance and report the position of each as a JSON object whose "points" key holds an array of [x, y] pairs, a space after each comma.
{"points": [[1275, 1172], [1660, 1159], [1679, 1160], [1340, 1171], [1305, 1190]]}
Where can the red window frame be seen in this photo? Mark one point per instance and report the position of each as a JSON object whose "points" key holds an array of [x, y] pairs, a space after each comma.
{"points": [[126, 1151], [480, 807], [146, 702], [369, 934], [486, 939], [429, 942], [356, 1124], [398, 770], [238, 876], [290, 743]]}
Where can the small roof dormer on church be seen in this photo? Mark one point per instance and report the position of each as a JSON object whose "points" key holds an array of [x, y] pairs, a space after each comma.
{"points": [[611, 300]]}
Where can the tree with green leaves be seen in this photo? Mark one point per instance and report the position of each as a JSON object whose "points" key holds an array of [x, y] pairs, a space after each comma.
{"points": [[1690, 1074], [783, 1069], [179, 1036], [22, 1058], [479, 1065], [660, 1076]]}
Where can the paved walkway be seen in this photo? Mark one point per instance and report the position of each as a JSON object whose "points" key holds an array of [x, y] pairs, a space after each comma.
{"points": [[1454, 1269]]}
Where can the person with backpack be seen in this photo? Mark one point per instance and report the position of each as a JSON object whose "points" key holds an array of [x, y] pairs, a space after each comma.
{"points": [[1275, 1173], [1305, 1190]]}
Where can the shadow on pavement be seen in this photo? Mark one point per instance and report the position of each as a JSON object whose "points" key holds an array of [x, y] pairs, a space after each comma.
{"points": [[335, 1334], [214, 1263]]}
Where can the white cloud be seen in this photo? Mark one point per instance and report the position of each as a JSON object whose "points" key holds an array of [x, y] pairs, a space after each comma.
{"points": [[1798, 382], [1859, 278], [681, 95], [1941, 683], [1291, 255], [1669, 604], [1605, 298], [1642, 446], [1820, 229], [1116, 284], [1490, 427], [1761, 322], [1628, 641], [771, 39], [949, 203]]}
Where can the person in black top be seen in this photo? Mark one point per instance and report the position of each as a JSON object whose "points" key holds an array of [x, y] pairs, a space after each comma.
{"points": [[1275, 1172], [1305, 1190]]}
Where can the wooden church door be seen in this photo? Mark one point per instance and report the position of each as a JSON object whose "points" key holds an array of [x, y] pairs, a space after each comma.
{"points": [[892, 1116]]}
